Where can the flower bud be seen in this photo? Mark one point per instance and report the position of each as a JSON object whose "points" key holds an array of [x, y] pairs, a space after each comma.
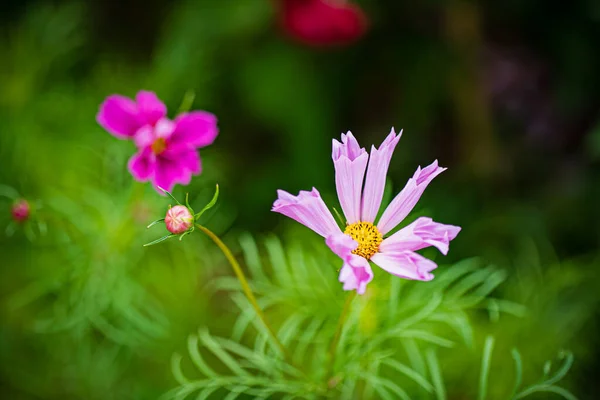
{"points": [[20, 210], [179, 219]]}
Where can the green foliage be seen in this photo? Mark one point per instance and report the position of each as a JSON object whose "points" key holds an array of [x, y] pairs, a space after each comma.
{"points": [[547, 383], [254, 371], [388, 346], [95, 288]]}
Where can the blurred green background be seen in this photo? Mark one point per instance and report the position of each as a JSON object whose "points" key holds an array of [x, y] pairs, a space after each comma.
{"points": [[504, 94]]}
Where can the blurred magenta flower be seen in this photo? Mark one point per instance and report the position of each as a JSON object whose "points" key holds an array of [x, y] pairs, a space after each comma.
{"points": [[322, 22], [363, 240], [167, 149], [179, 219], [20, 210]]}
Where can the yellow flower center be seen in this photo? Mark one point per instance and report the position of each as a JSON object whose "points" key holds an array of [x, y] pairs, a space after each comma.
{"points": [[159, 146], [368, 237]]}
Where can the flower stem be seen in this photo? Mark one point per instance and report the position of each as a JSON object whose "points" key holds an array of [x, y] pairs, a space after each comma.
{"points": [[338, 333], [245, 286]]}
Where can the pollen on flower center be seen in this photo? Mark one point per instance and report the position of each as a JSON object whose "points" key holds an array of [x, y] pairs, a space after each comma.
{"points": [[159, 145], [368, 237]]}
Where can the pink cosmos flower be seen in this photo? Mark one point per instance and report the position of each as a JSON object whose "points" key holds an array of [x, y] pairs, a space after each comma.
{"points": [[363, 240], [167, 149], [323, 22]]}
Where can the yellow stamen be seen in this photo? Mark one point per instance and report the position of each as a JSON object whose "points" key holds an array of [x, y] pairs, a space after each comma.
{"points": [[159, 146], [368, 237]]}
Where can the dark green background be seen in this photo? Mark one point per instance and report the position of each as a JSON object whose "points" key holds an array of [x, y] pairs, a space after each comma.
{"points": [[504, 94]]}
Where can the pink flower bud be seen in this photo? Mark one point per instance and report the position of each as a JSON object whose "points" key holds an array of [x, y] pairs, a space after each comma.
{"points": [[20, 210], [179, 219]]}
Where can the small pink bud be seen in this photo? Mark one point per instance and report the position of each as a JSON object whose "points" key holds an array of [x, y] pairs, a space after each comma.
{"points": [[20, 210], [179, 219]]}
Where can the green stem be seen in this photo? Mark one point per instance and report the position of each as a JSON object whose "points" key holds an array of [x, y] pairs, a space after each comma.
{"points": [[245, 286], [338, 333]]}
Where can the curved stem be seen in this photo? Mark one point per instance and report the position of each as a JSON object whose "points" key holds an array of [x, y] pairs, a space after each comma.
{"points": [[245, 286], [338, 333]]}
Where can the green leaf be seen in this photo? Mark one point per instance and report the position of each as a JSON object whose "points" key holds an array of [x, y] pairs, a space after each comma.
{"points": [[341, 219], [176, 369], [9, 192], [187, 101], [170, 195], [518, 371], [162, 239], [485, 367], [436, 375], [427, 337], [197, 359], [187, 201], [424, 312], [212, 345], [549, 389], [380, 383], [205, 393], [155, 222], [563, 369], [186, 233], [42, 227], [209, 205], [547, 368], [414, 355], [388, 195], [11, 228], [409, 372]]}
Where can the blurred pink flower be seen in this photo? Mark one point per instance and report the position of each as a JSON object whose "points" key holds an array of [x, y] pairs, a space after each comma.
{"points": [[362, 240], [20, 210], [322, 22], [167, 149]]}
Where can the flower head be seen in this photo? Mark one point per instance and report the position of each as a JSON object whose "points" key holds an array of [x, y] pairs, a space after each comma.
{"points": [[323, 22], [179, 219], [20, 210], [360, 181], [167, 149]]}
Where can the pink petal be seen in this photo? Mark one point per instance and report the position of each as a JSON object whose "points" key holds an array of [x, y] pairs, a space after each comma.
{"points": [[194, 129], [404, 239], [191, 161], [350, 161], [307, 208], [147, 134], [356, 273], [379, 161], [341, 244], [142, 164], [151, 109], [169, 172], [406, 200], [164, 128], [424, 232], [405, 264], [348, 148], [119, 116], [144, 137]]}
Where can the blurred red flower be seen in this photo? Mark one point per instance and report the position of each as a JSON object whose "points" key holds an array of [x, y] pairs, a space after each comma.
{"points": [[322, 22]]}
